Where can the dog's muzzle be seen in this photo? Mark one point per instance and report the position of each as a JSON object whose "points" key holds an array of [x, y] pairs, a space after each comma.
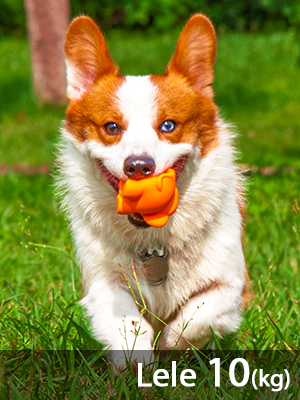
{"points": [[139, 167]]}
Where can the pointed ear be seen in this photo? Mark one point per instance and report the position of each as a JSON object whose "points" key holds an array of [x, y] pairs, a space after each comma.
{"points": [[195, 54], [86, 56]]}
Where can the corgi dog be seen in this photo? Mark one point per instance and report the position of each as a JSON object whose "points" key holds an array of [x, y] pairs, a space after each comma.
{"points": [[190, 270]]}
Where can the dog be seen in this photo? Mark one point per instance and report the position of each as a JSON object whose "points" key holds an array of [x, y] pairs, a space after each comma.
{"points": [[187, 276]]}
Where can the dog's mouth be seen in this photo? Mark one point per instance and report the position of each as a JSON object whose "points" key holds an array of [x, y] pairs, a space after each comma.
{"points": [[112, 180], [137, 219]]}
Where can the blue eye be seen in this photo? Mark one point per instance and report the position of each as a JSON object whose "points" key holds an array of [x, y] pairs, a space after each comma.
{"points": [[167, 126], [112, 128]]}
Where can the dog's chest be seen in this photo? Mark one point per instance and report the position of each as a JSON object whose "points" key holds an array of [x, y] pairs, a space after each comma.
{"points": [[164, 282]]}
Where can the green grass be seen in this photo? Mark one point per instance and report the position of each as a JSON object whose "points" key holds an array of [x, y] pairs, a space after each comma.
{"points": [[256, 88], [257, 91]]}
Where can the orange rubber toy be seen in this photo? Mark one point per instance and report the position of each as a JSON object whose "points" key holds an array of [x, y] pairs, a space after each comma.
{"points": [[155, 198]]}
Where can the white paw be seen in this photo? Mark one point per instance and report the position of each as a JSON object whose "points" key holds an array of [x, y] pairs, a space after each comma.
{"points": [[170, 340], [122, 358]]}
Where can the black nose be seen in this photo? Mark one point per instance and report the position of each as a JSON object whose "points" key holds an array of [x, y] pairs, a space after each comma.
{"points": [[137, 167]]}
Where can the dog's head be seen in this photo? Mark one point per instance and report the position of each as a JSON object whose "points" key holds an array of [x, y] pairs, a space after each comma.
{"points": [[140, 126]]}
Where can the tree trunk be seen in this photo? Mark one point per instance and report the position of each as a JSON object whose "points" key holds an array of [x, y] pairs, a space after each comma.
{"points": [[47, 22]]}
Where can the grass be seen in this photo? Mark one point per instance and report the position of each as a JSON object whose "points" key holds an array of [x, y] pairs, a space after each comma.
{"points": [[256, 89]]}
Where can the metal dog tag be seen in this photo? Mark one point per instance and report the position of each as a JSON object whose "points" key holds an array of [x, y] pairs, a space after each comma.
{"points": [[155, 269]]}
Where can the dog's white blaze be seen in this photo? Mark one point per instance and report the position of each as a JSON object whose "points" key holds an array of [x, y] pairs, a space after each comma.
{"points": [[137, 103]]}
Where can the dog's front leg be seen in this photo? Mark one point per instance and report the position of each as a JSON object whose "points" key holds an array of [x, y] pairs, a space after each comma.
{"points": [[117, 322], [218, 307]]}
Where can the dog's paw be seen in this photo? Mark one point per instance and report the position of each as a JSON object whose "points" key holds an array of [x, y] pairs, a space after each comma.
{"points": [[170, 340], [123, 358]]}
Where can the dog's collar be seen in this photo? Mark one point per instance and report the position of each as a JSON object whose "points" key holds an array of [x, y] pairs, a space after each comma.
{"points": [[155, 265]]}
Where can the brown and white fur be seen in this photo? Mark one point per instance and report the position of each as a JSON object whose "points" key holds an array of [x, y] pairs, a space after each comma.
{"points": [[207, 282]]}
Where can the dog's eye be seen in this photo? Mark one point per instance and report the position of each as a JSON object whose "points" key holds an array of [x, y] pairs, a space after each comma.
{"points": [[167, 126], [112, 128]]}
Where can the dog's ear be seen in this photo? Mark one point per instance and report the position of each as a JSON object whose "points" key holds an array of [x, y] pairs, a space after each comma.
{"points": [[86, 56], [195, 54]]}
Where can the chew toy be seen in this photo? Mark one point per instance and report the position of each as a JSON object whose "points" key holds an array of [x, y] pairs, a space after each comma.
{"points": [[155, 198]]}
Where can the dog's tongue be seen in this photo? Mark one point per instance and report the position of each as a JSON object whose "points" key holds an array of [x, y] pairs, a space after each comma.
{"points": [[155, 198]]}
